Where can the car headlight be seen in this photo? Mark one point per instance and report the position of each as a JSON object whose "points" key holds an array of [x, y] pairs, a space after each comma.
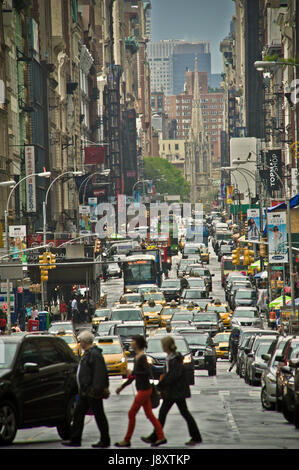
{"points": [[150, 360], [187, 359], [123, 359]]}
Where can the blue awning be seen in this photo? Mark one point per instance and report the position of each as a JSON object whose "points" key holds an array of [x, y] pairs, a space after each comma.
{"points": [[294, 201]]}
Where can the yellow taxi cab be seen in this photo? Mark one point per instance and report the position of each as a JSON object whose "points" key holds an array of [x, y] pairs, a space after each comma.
{"points": [[158, 297], [71, 341], [100, 314], [205, 255], [167, 312], [223, 310], [131, 298], [114, 354], [221, 341], [152, 313]]}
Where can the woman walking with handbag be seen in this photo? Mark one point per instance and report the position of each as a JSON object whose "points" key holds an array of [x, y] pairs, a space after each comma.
{"points": [[141, 374], [174, 388]]}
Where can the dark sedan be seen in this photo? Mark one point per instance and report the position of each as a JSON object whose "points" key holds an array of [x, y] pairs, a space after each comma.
{"points": [[156, 357], [203, 350]]}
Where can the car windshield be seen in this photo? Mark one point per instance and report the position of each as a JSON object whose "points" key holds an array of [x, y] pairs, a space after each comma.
{"points": [[192, 294], [170, 310], [134, 298], [196, 283], [294, 350], [155, 346], [200, 272], [112, 348], [154, 296], [263, 348], [221, 338], [101, 313], [245, 314], [7, 354], [195, 339], [258, 342], [202, 303], [103, 327], [129, 330], [245, 294], [182, 316], [170, 284], [58, 326], [113, 266], [200, 317], [68, 339], [126, 315], [191, 250], [156, 308], [217, 308]]}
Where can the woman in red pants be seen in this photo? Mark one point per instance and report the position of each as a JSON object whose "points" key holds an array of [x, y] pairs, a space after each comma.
{"points": [[141, 374]]}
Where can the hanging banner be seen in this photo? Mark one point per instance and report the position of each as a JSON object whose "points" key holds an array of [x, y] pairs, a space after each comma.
{"points": [[277, 237], [94, 155], [84, 219], [229, 194], [274, 162], [17, 242], [254, 224], [93, 202], [223, 190], [30, 182]]}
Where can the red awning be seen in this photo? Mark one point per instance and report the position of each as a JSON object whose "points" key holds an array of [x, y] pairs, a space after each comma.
{"points": [[94, 155]]}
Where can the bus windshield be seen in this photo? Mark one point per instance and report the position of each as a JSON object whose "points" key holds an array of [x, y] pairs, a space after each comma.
{"points": [[140, 271]]}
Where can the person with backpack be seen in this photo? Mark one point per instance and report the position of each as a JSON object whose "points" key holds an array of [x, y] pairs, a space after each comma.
{"points": [[93, 385], [175, 389]]}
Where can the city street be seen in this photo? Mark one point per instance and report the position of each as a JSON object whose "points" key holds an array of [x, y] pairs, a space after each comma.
{"points": [[227, 410]]}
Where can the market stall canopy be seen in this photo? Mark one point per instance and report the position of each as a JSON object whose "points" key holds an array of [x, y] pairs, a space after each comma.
{"points": [[262, 275], [276, 303]]}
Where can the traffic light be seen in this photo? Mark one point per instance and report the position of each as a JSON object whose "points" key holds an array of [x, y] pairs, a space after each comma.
{"points": [[97, 246], [263, 250], [236, 256], [43, 261], [52, 260], [248, 257]]}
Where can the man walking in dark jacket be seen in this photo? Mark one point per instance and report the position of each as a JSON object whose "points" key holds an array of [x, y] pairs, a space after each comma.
{"points": [[93, 383], [175, 389]]}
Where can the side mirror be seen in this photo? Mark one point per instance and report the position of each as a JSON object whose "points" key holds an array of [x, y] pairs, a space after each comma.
{"points": [[266, 357], [294, 363], [146, 318], [127, 353], [250, 355], [31, 368], [279, 358]]}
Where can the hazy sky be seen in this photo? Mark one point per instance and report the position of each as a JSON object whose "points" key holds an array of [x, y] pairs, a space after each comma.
{"points": [[193, 20]]}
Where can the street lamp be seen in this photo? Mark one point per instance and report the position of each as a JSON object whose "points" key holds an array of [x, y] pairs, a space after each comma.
{"points": [[73, 173], [44, 174]]}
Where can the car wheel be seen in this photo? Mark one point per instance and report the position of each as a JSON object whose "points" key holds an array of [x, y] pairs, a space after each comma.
{"points": [[8, 423], [278, 405], [289, 416], [242, 371], [296, 415], [266, 404], [212, 372], [64, 428]]}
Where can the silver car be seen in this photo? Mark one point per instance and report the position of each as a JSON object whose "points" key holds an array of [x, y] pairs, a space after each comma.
{"points": [[268, 381], [247, 316]]}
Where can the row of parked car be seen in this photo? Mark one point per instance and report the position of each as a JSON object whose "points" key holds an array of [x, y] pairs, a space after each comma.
{"points": [[271, 361]]}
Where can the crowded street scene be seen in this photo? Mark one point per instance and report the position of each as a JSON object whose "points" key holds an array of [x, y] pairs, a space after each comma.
{"points": [[149, 228]]}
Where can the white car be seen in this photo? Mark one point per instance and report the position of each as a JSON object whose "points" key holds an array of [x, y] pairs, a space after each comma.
{"points": [[114, 270]]}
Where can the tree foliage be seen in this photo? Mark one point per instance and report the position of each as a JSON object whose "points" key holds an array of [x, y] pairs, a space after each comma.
{"points": [[166, 178]]}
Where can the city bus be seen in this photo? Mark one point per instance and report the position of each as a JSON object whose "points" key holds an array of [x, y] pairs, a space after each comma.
{"points": [[141, 268]]}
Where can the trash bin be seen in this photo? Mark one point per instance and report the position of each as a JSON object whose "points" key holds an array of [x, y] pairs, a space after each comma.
{"points": [[42, 317], [33, 325]]}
